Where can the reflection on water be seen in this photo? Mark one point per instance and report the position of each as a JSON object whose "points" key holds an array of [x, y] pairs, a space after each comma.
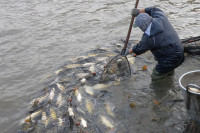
{"points": [[39, 36]]}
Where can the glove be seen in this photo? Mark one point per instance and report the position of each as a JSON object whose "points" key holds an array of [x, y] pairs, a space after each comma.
{"points": [[135, 12], [125, 52]]}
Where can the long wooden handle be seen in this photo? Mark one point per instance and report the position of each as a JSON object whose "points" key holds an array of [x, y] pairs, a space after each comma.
{"points": [[130, 28]]}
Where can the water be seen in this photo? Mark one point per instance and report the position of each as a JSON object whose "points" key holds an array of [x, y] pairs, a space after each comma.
{"points": [[39, 37]]}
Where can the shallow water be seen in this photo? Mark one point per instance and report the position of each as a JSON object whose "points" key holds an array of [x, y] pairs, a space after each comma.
{"points": [[38, 37]]}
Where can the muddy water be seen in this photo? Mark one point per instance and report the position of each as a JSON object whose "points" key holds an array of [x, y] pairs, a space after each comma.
{"points": [[37, 38]]}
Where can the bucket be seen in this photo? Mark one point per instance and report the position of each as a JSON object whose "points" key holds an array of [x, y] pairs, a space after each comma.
{"points": [[189, 82]]}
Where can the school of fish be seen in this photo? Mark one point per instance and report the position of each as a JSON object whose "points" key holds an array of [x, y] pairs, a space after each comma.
{"points": [[73, 100]]}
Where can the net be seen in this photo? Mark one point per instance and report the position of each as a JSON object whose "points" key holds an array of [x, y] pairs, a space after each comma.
{"points": [[192, 45], [117, 68]]}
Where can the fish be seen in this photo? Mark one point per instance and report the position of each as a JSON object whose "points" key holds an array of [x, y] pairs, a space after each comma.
{"points": [[78, 58], [52, 94], [48, 76], [27, 119], [82, 75], [83, 122], [71, 113], [62, 103], [92, 55], [37, 101], [119, 61], [83, 80], [106, 122], [62, 88], [111, 71], [27, 127], [100, 86], [101, 59], [118, 44], [60, 122], [47, 122], [131, 60], [92, 69], [110, 55], [76, 92], [78, 95], [109, 109], [33, 116], [42, 98], [53, 114], [116, 83], [44, 117], [59, 98], [34, 102], [194, 90], [80, 110], [88, 64], [89, 90], [89, 106], [72, 66], [58, 71]]}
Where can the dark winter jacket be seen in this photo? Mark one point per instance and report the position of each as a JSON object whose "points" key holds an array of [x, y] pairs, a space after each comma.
{"points": [[163, 42]]}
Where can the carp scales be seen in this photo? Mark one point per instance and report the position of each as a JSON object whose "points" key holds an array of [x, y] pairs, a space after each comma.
{"points": [[44, 117], [89, 90], [33, 116], [109, 109], [102, 59], [52, 94], [61, 88], [110, 55], [53, 114], [71, 112], [83, 122], [78, 95], [47, 122], [131, 60], [73, 66], [58, 71], [194, 90], [89, 106], [59, 99], [101, 86], [92, 69], [92, 55], [39, 100], [83, 80], [60, 122], [106, 122], [88, 64], [82, 75]]}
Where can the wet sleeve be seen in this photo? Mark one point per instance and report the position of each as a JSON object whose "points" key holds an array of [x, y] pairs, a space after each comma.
{"points": [[144, 45], [154, 12]]}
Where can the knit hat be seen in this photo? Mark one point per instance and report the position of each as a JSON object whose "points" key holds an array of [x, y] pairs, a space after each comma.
{"points": [[142, 21]]}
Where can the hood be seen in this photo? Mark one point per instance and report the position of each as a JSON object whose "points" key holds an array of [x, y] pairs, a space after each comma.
{"points": [[156, 27]]}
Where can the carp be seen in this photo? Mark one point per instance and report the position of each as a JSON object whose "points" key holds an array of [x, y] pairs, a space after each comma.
{"points": [[106, 122]]}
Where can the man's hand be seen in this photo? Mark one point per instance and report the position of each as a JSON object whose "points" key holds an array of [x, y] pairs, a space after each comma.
{"points": [[128, 51], [125, 52], [135, 12]]}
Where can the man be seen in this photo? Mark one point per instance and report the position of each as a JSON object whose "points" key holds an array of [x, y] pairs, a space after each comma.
{"points": [[160, 38]]}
